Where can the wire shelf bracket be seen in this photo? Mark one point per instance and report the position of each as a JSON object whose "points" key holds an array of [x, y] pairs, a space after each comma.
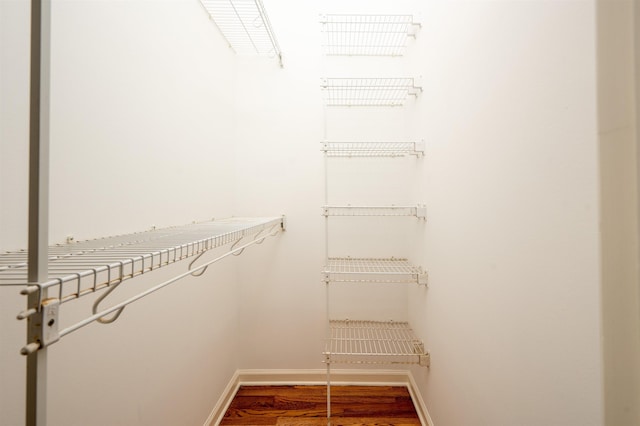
{"points": [[87, 267], [367, 35], [373, 149], [245, 25]]}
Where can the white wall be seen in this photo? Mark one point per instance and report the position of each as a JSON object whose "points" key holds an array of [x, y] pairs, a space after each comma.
{"points": [[142, 129], [512, 312], [279, 170], [14, 112], [14, 107]]}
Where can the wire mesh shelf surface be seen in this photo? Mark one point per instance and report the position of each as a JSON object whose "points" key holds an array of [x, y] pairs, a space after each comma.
{"points": [[376, 270], [372, 149], [245, 25], [367, 35], [373, 342], [417, 211], [368, 91], [84, 267]]}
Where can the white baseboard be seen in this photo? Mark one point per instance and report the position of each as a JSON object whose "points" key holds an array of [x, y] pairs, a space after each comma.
{"points": [[319, 377], [418, 401], [225, 400]]}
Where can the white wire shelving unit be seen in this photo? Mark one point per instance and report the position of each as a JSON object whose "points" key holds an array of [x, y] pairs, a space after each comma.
{"points": [[245, 25], [419, 211], [362, 341], [363, 92], [372, 270], [374, 342], [367, 35], [88, 267], [373, 149]]}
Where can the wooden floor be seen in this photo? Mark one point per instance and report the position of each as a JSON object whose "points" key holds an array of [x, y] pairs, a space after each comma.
{"points": [[307, 405]]}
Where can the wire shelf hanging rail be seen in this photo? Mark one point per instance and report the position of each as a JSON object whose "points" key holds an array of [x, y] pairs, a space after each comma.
{"points": [[367, 35], [245, 25], [379, 92]]}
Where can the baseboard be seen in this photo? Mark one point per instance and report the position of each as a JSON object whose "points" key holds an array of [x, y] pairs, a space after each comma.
{"points": [[319, 377], [225, 400], [418, 401]]}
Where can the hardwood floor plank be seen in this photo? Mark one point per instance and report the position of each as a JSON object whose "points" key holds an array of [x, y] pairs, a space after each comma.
{"points": [[363, 421], [369, 390], [321, 390], [306, 405], [281, 390], [246, 413]]}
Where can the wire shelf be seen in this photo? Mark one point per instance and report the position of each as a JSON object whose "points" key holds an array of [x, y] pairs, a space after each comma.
{"points": [[245, 25], [418, 211], [84, 267], [372, 270], [373, 149], [367, 35], [373, 342], [368, 91]]}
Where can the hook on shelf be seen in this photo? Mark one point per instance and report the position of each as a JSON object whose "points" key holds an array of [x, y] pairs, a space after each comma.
{"points": [[238, 253], [197, 273], [194, 271], [270, 233], [255, 238], [112, 287], [94, 308]]}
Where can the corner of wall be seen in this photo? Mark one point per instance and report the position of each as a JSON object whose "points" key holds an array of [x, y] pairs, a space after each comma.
{"points": [[618, 94]]}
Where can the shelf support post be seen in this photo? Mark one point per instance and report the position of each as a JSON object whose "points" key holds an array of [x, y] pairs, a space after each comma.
{"points": [[36, 398]]}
